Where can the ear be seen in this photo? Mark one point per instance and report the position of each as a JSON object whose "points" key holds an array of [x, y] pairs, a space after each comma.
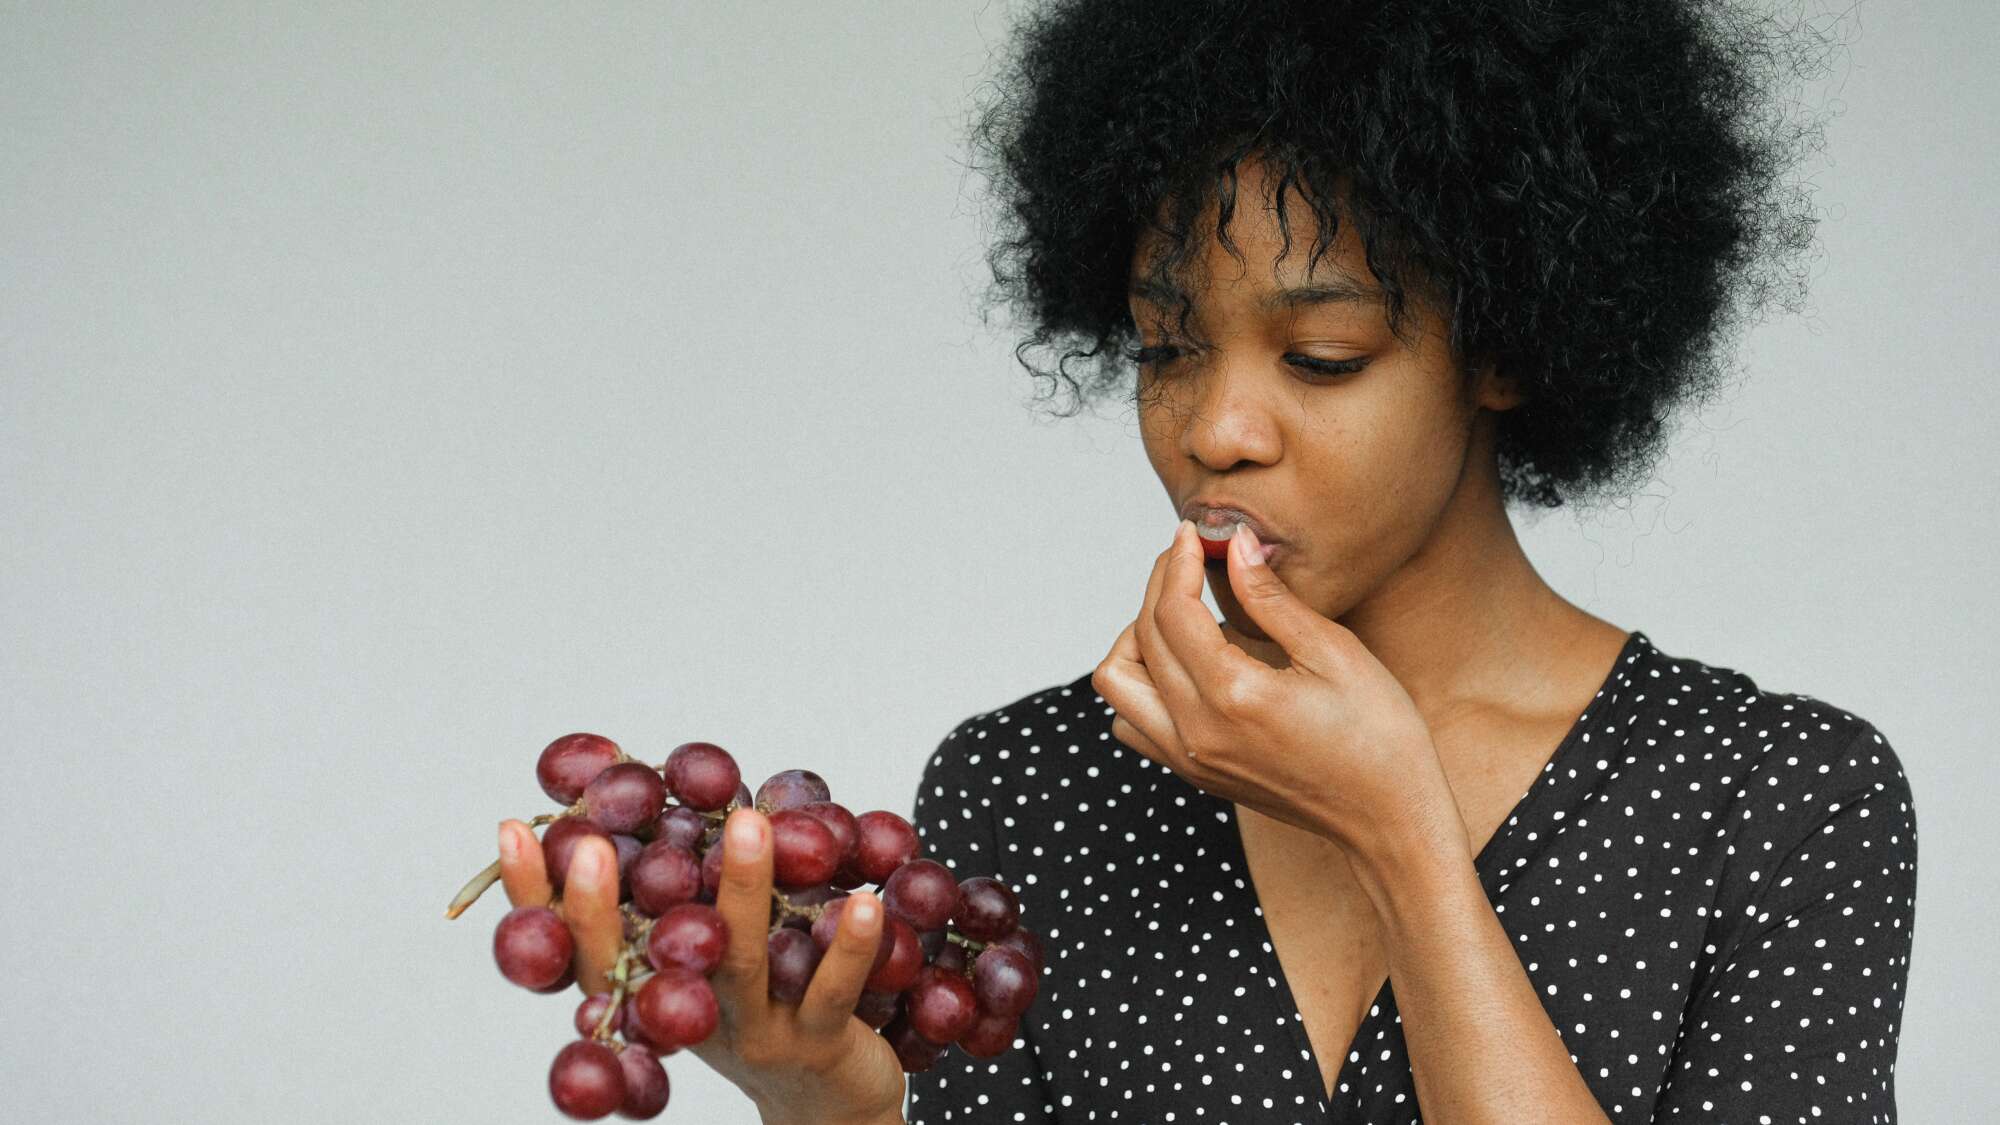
{"points": [[1493, 390]]}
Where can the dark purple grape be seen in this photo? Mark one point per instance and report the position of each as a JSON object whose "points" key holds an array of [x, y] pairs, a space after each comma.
{"points": [[742, 798], [793, 958], [940, 1005], [840, 822], [788, 789], [690, 935], [886, 843], [803, 850], [1025, 940], [629, 848], [645, 1083], [913, 1052], [922, 893], [664, 876], [559, 845], [571, 762], [899, 970], [630, 1027], [679, 825], [586, 1080], [591, 1011], [950, 957], [677, 1008], [702, 775], [986, 909], [532, 945], [711, 872], [1004, 980], [626, 797], [876, 1009], [934, 943], [990, 1035]]}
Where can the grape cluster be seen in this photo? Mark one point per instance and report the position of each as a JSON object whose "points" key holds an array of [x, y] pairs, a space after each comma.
{"points": [[954, 965]]}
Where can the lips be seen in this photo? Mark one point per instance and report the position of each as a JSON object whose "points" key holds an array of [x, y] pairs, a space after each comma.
{"points": [[1215, 520]]}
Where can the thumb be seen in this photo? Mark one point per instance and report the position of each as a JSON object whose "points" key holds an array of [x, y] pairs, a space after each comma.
{"points": [[1281, 614]]}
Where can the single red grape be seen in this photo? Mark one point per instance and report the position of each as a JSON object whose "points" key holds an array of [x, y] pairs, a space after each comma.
{"points": [[570, 762], [711, 872], [899, 970], [741, 800], [923, 893], [691, 935], [803, 850], [677, 1008], [1004, 981], [532, 945], [587, 1081], [950, 956], [561, 984], [887, 842], [702, 775], [941, 1005], [986, 910], [1025, 940], [664, 876], [990, 1035], [628, 848], [629, 1025], [793, 957], [913, 1052], [626, 797], [788, 789], [876, 1009], [678, 825], [559, 844], [840, 822], [645, 1083], [591, 1011]]}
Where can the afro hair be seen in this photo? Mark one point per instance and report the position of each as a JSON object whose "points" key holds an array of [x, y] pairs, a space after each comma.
{"points": [[1593, 194]]}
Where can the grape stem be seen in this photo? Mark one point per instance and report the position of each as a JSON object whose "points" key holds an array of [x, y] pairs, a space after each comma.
{"points": [[477, 885], [621, 973]]}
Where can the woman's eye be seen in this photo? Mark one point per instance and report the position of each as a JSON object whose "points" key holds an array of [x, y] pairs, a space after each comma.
{"points": [[1160, 354]]}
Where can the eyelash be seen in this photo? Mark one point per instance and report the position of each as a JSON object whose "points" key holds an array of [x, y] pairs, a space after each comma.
{"points": [[1149, 356]]}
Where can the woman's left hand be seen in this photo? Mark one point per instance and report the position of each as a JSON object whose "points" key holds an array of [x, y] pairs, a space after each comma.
{"points": [[1331, 744]]}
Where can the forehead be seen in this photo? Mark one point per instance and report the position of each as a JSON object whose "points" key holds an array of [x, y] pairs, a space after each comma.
{"points": [[1269, 263]]}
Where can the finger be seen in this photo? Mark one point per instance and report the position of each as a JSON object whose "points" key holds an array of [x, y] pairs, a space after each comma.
{"points": [[521, 868], [590, 906], [1177, 692], [1195, 651], [836, 984], [744, 900], [1122, 680]]}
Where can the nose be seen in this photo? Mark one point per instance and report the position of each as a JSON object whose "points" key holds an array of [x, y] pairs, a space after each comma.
{"points": [[1230, 416]]}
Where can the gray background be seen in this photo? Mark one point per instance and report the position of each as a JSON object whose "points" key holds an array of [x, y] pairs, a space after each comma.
{"points": [[389, 389]]}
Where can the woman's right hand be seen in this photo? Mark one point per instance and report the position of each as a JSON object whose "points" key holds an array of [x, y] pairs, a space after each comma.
{"points": [[814, 1061]]}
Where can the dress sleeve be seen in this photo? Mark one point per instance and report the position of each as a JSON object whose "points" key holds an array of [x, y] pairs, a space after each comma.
{"points": [[1800, 1023], [954, 820]]}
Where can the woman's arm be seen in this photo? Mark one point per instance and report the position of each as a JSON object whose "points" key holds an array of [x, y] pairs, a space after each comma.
{"points": [[1482, 1048]]}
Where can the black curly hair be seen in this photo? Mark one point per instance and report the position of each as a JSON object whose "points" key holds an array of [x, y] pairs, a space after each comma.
{"points": [[1591, 192]]}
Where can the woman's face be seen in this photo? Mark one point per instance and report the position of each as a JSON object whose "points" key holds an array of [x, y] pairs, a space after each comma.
{"points": [[1356, 472]]}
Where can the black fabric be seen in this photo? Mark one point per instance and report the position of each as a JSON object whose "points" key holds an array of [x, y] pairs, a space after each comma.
{"points": [[1711, 886]]}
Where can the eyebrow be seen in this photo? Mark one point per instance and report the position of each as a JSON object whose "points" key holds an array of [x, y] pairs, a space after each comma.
{"points": [[1314, 293]]}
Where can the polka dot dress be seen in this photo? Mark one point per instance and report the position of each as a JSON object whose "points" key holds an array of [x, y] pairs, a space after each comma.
{"points": [[1711, 886]]}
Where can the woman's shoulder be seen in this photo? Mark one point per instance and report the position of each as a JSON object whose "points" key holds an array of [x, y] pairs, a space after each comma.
{"points": [[1776, 751], [1058, 712]]}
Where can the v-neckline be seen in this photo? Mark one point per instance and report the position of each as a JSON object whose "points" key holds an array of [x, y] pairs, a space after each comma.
{"points": [[1383, 1004]]}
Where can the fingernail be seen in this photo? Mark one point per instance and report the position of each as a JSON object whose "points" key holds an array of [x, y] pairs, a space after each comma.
{"points": [[746, 836], [507, 846], [864, 911], [1244, 542]]}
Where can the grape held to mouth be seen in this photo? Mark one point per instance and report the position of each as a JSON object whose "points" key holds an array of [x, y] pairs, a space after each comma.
{"points": [[954, 967]]}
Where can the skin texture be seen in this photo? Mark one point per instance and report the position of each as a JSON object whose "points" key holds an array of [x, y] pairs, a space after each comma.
{"points": [[1389, 684], [811, 1062]]}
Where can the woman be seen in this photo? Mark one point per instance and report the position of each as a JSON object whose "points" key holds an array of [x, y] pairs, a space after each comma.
{"points": [[1407, 836]]}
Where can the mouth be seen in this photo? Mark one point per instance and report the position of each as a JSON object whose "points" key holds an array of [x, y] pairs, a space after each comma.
{"points": [[1216, 522]]}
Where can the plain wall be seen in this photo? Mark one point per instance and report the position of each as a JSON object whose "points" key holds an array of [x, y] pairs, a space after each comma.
{"points": [[388, 389]]}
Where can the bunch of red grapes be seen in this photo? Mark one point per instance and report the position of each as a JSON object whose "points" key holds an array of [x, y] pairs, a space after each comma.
{"points": [[954, 965]]}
